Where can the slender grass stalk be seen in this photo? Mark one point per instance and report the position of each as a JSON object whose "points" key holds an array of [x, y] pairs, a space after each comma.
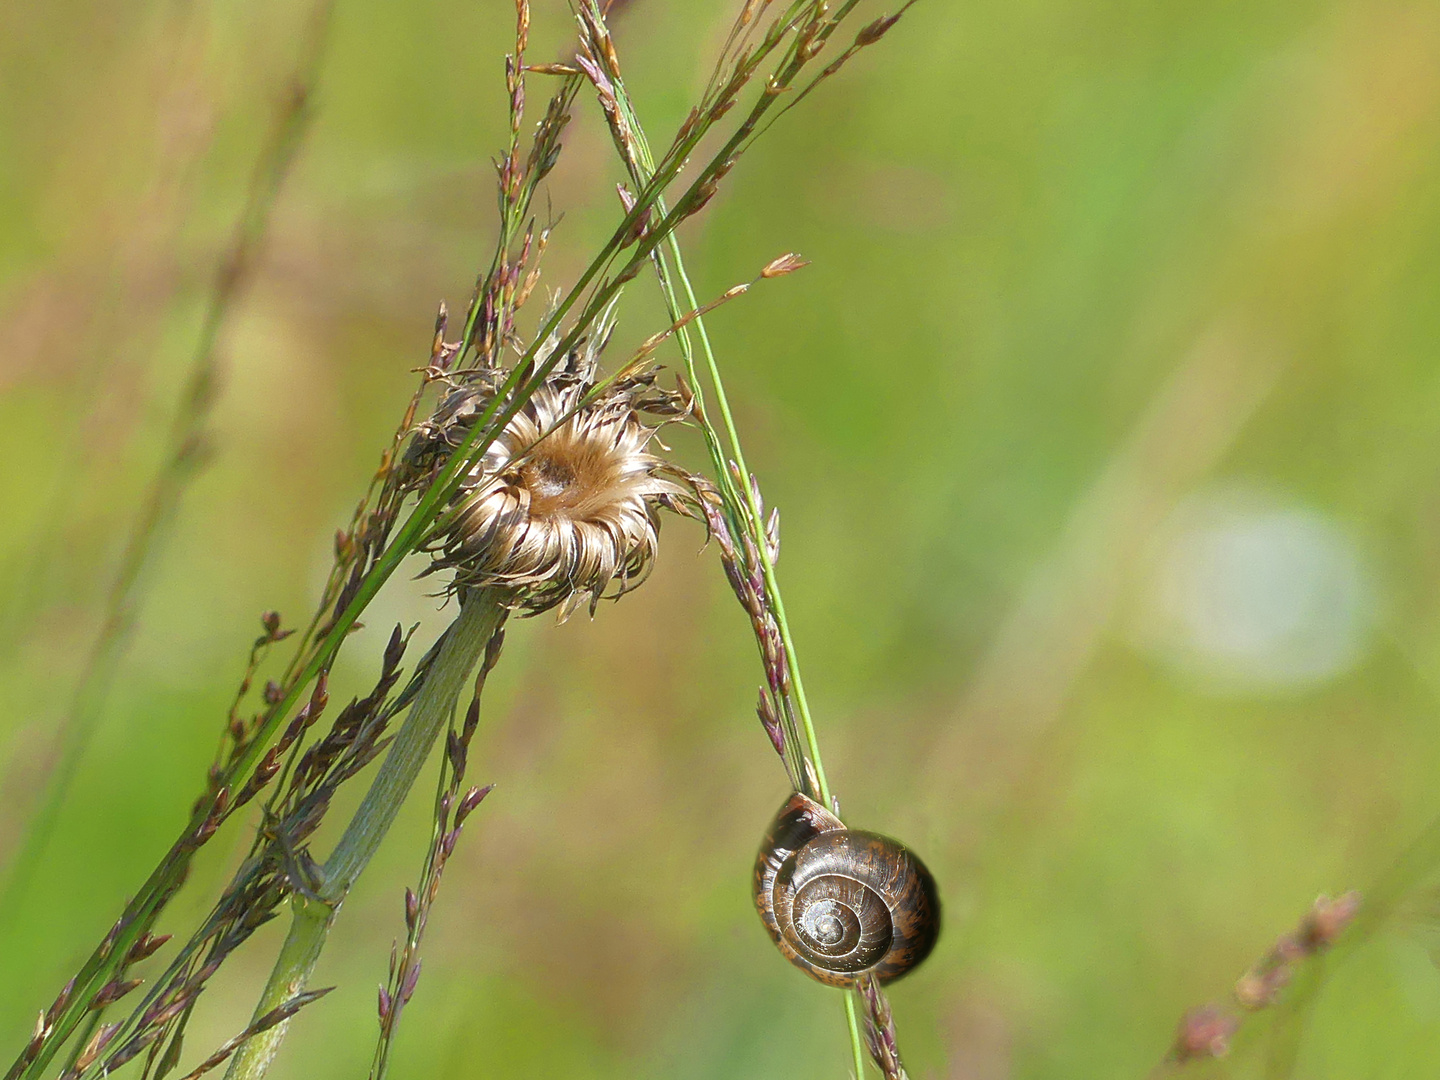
{"points": [[748, 515], [635, 151], [757, 525], [857, 1053], [480, 617], [772, 583], [642, 165]]}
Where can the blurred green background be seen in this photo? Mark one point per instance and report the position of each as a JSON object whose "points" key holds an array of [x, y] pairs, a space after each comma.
{"points": [[1105, 428]]}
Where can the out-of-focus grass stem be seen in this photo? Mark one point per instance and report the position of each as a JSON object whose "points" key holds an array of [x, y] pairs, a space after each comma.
{"points": [[188, 449]]}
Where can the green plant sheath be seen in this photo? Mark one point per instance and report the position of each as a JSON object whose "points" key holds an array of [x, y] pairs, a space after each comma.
{"points": [[434, 705]]}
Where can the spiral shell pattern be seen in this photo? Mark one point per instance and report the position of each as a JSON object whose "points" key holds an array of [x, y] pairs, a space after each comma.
{"points": [[840, 903]]}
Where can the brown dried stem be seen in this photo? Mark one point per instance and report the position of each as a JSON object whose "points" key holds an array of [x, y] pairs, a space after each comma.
{"points": [[1210, 1031]]}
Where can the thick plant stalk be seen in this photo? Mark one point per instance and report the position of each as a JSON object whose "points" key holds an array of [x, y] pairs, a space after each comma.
{"points": [[481, 615]]}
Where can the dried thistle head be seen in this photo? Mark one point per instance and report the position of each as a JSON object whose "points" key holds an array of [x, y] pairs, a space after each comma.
{"points": [[562, 509]]}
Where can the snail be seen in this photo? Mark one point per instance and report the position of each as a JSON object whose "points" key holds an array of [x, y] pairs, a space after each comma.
{"points": [[840, 903]]}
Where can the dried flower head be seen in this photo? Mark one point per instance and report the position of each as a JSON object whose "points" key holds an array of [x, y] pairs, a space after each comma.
{"points": [[562, 508]]}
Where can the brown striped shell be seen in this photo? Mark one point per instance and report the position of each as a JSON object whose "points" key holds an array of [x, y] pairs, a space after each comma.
{"points": [[840, 903]]}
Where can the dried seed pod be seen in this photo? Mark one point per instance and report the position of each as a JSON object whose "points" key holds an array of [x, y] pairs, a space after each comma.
{"points": [[562, 508], [840, 903]]}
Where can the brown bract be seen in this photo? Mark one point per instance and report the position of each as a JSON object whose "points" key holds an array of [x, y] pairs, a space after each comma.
{"points": [[562, 509]]}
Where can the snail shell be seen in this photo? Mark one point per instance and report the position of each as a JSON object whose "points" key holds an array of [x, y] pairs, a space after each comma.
{"points": [[840, 903]]}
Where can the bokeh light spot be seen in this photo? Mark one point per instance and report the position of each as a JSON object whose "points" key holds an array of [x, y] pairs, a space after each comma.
{"points": [[1246, 591]]}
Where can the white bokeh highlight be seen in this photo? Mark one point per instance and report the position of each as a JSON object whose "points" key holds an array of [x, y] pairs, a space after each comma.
{"points": [[1246, 591]]}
